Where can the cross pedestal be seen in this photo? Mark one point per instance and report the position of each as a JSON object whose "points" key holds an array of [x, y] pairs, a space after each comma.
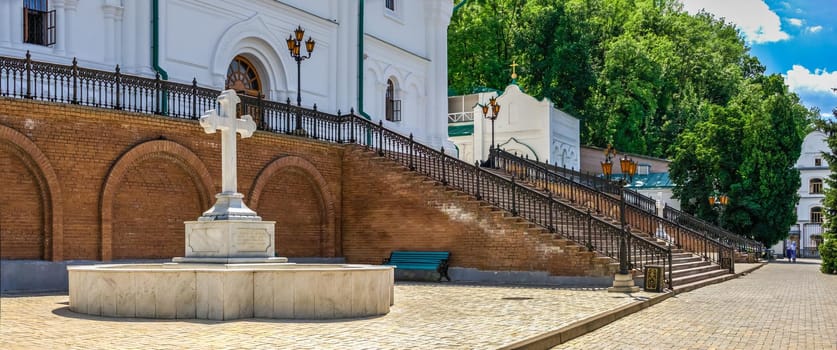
{"points": [[229, 232]]}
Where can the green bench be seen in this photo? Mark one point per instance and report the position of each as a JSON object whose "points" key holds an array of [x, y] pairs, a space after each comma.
{"points": [[415, 260]]}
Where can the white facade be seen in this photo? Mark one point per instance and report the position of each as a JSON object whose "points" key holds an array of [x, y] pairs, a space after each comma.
{"points": [[813, 171], [526, 126], [200, 38]]}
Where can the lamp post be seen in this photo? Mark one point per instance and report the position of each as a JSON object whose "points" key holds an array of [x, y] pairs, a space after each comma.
{"points": [[294, 42], [607, 165], [494, 108], [628, 167], [718, 202], [623, 281]]}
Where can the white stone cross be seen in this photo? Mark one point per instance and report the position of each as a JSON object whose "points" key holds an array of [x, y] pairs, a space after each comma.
{"points": [[229, 126]]}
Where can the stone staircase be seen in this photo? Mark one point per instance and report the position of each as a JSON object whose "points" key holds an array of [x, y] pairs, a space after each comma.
{"points": [[688, 270], [493, 238]]}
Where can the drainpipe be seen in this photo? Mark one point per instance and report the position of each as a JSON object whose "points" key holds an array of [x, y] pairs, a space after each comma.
{"points": [[155, 52], [455, 8], [360, 61]]}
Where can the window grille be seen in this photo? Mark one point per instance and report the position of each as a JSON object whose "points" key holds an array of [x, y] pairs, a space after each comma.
{"points": [[390, 4], [38, 23]]}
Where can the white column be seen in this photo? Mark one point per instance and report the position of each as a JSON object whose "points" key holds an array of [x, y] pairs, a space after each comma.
{"points": [[118, 35], [6, 30], [70, 7], [129, 46], [347, 44], [439, 13], [140, 32], [110, 9], [15, 25], [60, 27]]}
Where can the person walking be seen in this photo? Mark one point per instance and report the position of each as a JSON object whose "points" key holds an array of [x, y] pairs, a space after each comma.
{"points": [[792, 251]]}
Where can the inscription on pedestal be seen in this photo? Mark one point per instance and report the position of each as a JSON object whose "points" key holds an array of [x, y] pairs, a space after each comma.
{"points": [[252, 240], [205, 240]]}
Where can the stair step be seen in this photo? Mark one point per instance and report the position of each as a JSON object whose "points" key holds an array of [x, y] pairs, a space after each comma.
{"points": [[697, 277], [685, 287], [683, 272], [688, 265]]}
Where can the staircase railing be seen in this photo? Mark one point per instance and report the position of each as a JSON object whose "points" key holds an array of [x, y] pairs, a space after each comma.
{"points": [[740, 243], [641, 218], [25, 78], [536, 207]]}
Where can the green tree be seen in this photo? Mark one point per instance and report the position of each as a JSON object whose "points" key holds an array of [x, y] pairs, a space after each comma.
{"points": [[828, 249], [746, 150]]}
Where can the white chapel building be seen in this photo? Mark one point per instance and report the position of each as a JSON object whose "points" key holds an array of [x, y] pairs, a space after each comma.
{"points": [[526, 126], [387, 59]]}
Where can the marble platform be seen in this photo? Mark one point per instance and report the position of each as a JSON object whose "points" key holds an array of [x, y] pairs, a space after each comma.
{"points": [[231, 291]]}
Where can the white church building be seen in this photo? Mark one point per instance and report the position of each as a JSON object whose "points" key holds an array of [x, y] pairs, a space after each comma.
{"points": [[524, 125], [387, 59]]}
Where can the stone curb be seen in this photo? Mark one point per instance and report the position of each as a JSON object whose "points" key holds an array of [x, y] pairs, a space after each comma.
{"points": [[581, 327]]}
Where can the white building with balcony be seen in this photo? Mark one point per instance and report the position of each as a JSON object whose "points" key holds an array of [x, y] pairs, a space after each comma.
{"points": [[814, 171], [387, 59]]}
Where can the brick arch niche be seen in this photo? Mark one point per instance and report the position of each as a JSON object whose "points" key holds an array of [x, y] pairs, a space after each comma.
{"points": [[31, 212], [292, 192], [150, 191]]}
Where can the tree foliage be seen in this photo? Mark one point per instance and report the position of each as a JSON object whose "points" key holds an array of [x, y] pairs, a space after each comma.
{"points": [[649, 78], [828, 249]]}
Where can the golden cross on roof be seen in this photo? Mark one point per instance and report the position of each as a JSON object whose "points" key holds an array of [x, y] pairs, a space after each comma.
{"points": [[514, 65]]}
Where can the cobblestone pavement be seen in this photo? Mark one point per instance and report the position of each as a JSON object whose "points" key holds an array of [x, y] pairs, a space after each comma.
{"points": [[425, 316], [780, 306]]}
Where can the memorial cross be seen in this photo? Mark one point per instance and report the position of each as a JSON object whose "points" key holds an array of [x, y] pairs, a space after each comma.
{"points": [[229, 126]]}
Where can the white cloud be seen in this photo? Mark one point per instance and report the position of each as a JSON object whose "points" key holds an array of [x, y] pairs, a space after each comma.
{"points": [[795, 22], [814, 29], [753, 17], [801, 79]]}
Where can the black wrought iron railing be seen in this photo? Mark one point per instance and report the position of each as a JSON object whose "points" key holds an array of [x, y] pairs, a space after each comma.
{"points": [[25, 78], [740, 243], [630, 206], [539, 208]]}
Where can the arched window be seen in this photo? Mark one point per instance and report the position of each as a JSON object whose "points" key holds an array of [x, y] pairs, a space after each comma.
{"points": [[243, 77], [816, 214], [393, 106], [815, 186]]}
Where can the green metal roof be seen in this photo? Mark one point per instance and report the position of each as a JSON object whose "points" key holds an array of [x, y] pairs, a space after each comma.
{"points": [[645, 181], [460, 130]]}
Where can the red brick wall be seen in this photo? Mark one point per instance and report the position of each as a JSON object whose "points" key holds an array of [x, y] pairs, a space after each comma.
{"points": [[118, 185], [293, 202], [111, 171], [389, 208], [152, 201], [21, 207]]}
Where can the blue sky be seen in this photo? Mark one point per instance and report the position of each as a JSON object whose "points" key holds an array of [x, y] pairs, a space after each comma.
{"points": [[794, 38]]}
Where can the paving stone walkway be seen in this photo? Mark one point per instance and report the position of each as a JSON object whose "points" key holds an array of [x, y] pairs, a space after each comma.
{"points": [[779, 306], [425, 316]]}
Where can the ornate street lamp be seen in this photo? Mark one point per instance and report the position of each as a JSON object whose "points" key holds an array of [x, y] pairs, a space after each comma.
{"points": [[494, 108], [623, 281], [607, 165], [294, 42], [716, 200], [628, 167]]}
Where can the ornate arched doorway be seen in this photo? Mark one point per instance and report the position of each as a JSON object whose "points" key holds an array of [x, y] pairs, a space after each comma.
{"points": [[243, 77]]}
